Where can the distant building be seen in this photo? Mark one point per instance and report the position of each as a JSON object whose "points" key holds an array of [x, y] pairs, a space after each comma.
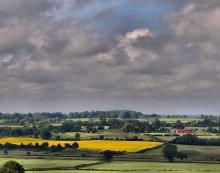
{"points": [[180, 131], [173, 131]]}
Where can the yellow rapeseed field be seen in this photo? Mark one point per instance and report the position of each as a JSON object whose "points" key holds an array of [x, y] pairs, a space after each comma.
{"points": [[128, 146]]}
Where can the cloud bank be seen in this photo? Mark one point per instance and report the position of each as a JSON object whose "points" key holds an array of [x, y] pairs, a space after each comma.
{"points": [[71, 62]]}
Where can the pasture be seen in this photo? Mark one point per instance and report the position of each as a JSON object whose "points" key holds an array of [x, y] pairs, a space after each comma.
{"points": [[82, 166], [69, 166], [155, 166], [35, 164]]}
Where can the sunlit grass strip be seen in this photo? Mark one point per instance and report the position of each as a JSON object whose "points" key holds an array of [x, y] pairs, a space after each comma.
{"points": [[128, 146]]}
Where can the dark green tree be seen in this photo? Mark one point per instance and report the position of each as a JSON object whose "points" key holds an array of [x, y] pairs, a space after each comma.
{"points": [[75, 145], [156, 123], [5, 152], [107, 155], [45, 134], [179, 125], [77, 136], [59, 147], [169, 151], [181, 155], [12, 167]]}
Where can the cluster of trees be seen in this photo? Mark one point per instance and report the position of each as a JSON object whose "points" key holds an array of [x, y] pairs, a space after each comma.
{"points": [[109, 114], [85, 114], [213, 130], [170, 152], [156, 125], [190, 139], [176, 116], [26, 131], [38, 147], [8, 131], [108, 155], [208, 122]]}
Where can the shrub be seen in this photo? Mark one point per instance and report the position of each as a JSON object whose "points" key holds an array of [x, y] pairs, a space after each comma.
{"points": [[12, 167]]}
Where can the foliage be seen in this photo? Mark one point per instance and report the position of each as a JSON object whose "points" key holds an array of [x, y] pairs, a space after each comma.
{"points": [[46, 134], [190, 139], [179, 125], [169, 151], [75, 145], [12, 167], [5, 152], [77, 136], [107, 155], [181, 155]]}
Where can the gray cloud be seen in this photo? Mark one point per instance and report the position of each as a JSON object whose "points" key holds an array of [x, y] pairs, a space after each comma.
{"points": [[66, 64], [105, 13], [25, 9], [81, 3]]}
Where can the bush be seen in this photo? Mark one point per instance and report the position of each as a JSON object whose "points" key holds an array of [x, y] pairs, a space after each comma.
{"points": [[5, 152], [169, 151], [12, 167], [101, 137], [108, 155], [75, 145]]}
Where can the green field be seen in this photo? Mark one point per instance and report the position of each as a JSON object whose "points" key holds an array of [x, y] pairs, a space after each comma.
{"points": [[155, 166], [152, 167], [77, 171], [110, 134], [150, 161], [68, 166], [35, 164]]}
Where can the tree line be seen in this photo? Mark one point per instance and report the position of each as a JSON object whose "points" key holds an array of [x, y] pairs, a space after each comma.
{"points": [[190, 139]]}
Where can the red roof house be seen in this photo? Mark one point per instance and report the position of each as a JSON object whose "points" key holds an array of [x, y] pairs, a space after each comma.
{"points": [[183, 131]]}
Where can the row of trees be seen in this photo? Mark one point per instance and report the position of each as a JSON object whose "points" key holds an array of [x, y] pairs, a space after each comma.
{"points": [[190, 139], [170, 152], [38, 147], [85, 114]]}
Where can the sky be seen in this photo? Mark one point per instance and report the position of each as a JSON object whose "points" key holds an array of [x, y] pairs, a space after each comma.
{"points": [[153, 56]]}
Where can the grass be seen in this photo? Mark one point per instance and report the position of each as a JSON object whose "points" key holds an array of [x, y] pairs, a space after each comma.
{"points": [[12, 126], [155, 166], [83, 136], [201, 153], [115, 166], [83, 171], [172, 120], [47, 163], [108, 134], [128, 146], [195, 153], [83, 119]]}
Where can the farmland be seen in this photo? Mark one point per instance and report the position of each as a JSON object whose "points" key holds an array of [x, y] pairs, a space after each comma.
{"points": [[57, 143], [116, 166], [127, 146]]}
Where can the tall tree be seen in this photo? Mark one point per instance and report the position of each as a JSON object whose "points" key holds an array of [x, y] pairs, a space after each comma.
{"points": [[169, 151]]}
